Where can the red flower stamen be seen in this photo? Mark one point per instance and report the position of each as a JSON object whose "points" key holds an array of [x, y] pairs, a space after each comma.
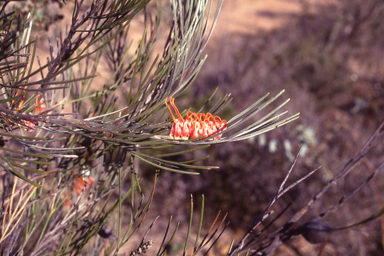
{"points": [[40, 105], [194, 125]]}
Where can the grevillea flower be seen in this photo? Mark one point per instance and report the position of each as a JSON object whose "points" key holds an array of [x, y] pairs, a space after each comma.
{"points": [[40, 105], [30, 125], [77, 185], [194, 125]]}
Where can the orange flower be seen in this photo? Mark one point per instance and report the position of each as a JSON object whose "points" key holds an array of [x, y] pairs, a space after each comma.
{"points": [[78, 185], [194, 125], [40, 105], [30, 125]]}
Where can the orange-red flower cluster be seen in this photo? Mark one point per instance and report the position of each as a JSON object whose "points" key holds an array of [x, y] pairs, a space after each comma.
{"points": [[27, 124], [194, 125], [40, 107], [77, 185]]}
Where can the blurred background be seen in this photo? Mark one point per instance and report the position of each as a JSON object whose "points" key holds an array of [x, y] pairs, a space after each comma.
{"points": [[327, 55]]}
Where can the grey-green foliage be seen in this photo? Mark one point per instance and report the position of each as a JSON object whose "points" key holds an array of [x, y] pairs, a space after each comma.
{"points": [[86, 130]]}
